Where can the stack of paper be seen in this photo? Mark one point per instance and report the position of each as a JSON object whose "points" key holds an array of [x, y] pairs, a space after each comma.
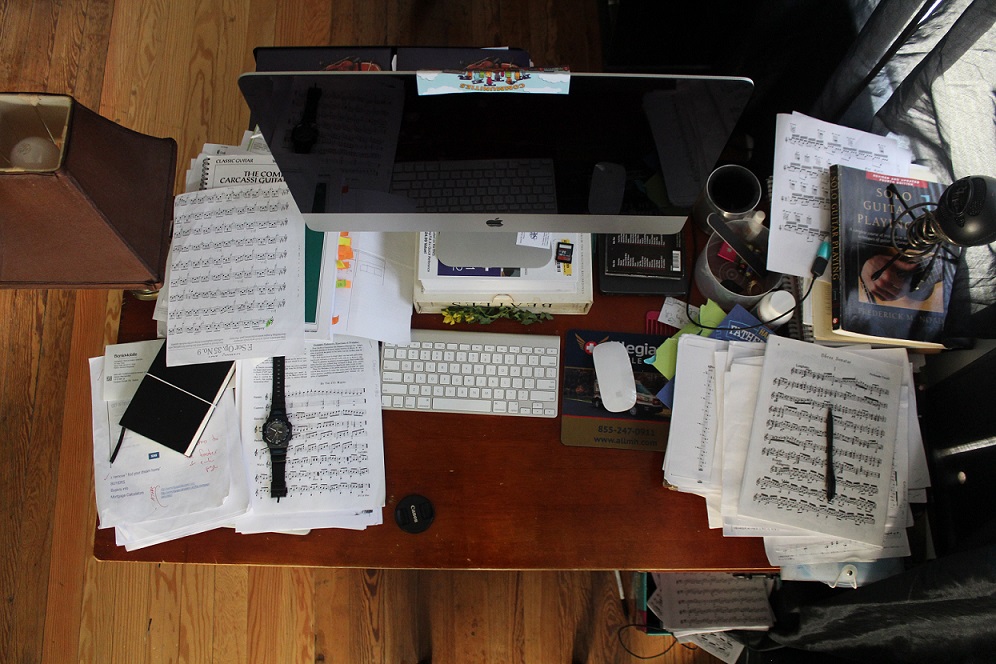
{"points": [[700, 607], [358, 284], [152, 494], [750, 433], [335, 462], [236, 286]]}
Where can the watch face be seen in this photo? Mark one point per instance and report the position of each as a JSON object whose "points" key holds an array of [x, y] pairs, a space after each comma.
{"points": [[277, 432]]}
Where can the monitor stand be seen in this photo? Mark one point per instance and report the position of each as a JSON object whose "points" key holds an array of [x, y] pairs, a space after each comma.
{"points": [[457, 249]]}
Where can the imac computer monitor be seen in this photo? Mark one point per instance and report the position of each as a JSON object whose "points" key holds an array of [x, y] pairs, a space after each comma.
{"points": [[619, 153]]}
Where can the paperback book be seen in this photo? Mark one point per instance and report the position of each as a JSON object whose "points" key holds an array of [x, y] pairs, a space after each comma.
{"points": [[878, 291], [642, 263]]}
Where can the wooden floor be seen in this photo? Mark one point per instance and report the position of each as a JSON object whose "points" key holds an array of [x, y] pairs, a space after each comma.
{"points": [[169, 69]]}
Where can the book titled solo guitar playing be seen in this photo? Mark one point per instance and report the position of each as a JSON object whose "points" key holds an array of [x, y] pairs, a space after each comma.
{"points": [[875, 292], [172, 405]]}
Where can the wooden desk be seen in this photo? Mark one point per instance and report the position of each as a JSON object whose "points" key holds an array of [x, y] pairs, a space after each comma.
{"points": [[507, 494]]}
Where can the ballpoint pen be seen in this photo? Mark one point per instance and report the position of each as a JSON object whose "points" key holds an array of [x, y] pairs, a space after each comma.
{"points": [[117, 448], [831, 478]]}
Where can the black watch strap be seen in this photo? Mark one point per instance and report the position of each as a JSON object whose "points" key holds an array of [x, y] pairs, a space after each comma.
{"points": [[278, 462], [277, 404]]}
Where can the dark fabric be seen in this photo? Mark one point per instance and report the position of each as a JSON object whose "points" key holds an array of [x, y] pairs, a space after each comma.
{"points": [[942, 611]]}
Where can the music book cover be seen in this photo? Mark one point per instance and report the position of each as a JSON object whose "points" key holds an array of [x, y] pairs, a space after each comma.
{"points": [[172, 405], [875, 292], [585, 422]]}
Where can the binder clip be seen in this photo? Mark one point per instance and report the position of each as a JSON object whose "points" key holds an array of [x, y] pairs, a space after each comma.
{"points": [[848, 577]]}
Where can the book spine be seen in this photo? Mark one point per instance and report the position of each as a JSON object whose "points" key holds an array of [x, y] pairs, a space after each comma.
{"points": [[835, 256]]}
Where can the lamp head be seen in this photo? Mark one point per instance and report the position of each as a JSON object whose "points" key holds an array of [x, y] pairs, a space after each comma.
{"points": [[966, 211]]}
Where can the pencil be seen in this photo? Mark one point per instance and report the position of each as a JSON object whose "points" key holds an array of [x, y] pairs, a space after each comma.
{"points": [[831, 478]]}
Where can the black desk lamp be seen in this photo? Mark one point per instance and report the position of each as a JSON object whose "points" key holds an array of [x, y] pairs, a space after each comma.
{"points": [[964, 216]]}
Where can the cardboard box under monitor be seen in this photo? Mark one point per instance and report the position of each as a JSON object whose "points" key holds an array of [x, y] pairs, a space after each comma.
{"points": [[84, 202]]}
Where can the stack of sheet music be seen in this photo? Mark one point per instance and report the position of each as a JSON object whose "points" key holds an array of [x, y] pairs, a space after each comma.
{"points": [[816, 449], [358, 284], [335, 463], [699, 608], [235, 290]]}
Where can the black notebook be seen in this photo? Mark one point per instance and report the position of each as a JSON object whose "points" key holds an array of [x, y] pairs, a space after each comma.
{"points": [[173, 404]]}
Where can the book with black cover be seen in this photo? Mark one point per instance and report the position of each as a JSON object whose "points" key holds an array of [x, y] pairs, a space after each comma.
{"points": [[642, 263], [172, 405], [874, 293]]}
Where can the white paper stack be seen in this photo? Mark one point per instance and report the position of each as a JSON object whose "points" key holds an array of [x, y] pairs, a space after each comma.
{"points": [[151, 494], [335, 462], [749, 433], [700, 607]]}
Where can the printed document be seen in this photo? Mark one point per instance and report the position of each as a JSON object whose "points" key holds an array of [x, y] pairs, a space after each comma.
{"points": [[236, 275], [805, 148], [785, 477], [159, 493], [335, 461]]}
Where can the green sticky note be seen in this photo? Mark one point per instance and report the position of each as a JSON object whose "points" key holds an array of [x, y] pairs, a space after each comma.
{"points": [[710, 314], [666, 358]]}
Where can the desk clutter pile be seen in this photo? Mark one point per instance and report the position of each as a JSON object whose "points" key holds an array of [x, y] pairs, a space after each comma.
{"points": [[815, 449], [220, 476]]}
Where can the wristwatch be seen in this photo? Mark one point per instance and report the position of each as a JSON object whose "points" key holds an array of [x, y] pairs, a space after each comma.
{"points": [[277, 432]]}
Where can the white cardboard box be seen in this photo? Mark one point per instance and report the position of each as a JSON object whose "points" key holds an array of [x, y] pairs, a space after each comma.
{"points": [[556, 288]]}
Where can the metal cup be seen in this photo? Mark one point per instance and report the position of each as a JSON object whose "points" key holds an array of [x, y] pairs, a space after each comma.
{"points": [[730, 191]]}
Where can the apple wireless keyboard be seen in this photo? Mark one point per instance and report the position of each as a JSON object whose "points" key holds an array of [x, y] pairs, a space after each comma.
{"points": [[454, 371]]}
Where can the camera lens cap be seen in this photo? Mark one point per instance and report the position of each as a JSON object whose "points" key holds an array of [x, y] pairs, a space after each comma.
{"points": [[414, 513]]}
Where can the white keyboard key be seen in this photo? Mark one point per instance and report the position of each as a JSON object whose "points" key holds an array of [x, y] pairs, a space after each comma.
{"points": [[464, 405]]}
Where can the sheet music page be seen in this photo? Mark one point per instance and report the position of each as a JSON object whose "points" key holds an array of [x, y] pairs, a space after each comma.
{"points": [[800, 550], [785, 476], [335, 461], [688, 461], [236, 287], [710, 601], [805, 148], [718, 644]]}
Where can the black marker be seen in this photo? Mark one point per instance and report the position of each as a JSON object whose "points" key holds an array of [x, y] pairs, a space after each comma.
{"points": [[831, 478], [117, 448]]}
